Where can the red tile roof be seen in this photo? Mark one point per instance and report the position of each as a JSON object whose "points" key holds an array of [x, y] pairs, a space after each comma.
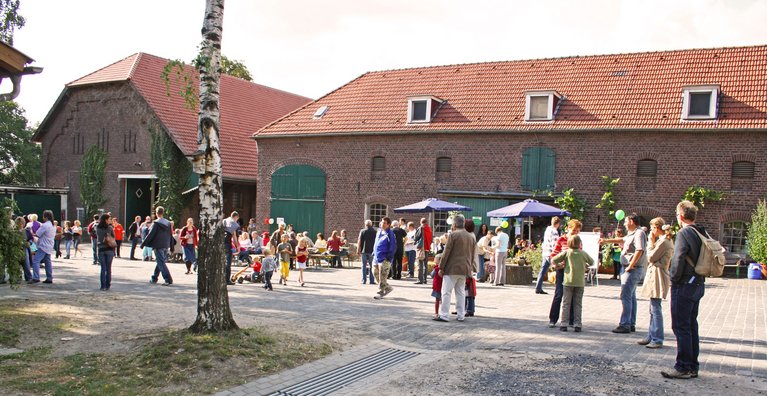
{"points": [[622, 91], [245, 107]]}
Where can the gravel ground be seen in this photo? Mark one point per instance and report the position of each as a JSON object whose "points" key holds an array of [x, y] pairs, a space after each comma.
{"points": [[507, 372]]}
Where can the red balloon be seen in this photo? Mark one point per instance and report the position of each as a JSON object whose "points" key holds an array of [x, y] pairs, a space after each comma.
{"points": [[266, 221]]}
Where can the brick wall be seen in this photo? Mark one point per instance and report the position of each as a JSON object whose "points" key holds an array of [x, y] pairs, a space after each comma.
{"points": [[493, 162]]}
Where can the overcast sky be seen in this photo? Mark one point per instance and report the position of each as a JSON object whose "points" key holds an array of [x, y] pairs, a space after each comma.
{"points": [[312, 47]]}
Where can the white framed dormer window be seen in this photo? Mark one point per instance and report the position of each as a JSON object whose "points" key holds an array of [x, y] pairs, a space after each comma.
{"points": [[540, 105], [700, 102], [420, 109]]}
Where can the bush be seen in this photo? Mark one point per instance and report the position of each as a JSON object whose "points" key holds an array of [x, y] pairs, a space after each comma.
{"points": [[756, 243]]}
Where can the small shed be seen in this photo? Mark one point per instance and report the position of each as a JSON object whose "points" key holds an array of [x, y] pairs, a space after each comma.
{"points": [[38, 199]]}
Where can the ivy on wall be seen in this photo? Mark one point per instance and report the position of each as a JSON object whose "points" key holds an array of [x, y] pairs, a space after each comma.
{"points": [[172, 170]]}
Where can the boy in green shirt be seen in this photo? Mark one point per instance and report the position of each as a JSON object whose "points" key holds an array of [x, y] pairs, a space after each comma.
{"points": [[576, 261]]}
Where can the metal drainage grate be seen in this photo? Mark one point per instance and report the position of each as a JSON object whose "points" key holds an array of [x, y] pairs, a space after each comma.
{"points": [[334, 380]]}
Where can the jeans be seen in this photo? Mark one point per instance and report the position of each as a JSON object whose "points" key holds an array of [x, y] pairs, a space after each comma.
{"points": [[367, 270], [26, 265], [68, 246], [57, 247], [543, 274], [556, 303], [655, 333], [133, 243], [95, 249], [685, 301], [629, 296], [470, 304], [410, 262], [228, 248], [481, 272], [335, 258], [423, 266], [452, 283], [572, 306], [382, 273], [161, 255], [45, 258], [268, 279], [105, 259]]}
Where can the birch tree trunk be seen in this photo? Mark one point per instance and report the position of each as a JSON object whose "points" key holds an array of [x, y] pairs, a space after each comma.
{"points": [[213, 311]]}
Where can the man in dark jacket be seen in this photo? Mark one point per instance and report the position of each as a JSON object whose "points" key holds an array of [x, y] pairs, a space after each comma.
{"points": [[687, 289], [134, 236], [159, 238], [399, 234], [365, 243]]}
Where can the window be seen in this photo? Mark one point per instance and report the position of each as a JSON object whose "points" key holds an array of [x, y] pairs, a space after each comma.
{"points": [[444, 167], [236, 200], [647, 172], [541, 105], [378, 168], [104, 140], [376, 213], [538, 168], [78, 144], [734, 237], [700, 102], [742, 176], [421, 109], [129, 142], [440, 222]]}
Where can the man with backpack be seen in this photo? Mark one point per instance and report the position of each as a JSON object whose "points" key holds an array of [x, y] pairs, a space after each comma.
{"points": [[687, 288], [92, 234]]}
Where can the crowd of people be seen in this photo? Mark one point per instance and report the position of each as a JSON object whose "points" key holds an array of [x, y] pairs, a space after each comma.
{"points": [[462, 257]]}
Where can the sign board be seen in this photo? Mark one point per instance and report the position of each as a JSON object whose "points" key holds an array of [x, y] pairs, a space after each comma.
{"points": [[590, 244], [477, 220], [496, 221], [280, 220]]}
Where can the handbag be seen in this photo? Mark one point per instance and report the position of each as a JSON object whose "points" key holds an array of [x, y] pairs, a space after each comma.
{"points": [[109, 240], [421, 254]]}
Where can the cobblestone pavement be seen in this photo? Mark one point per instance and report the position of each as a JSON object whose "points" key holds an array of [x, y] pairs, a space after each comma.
{"points": [[335, 305]]}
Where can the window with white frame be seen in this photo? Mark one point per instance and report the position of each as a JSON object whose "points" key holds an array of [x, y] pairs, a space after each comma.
{"points": [[420, 109], [700, 102], [376, 213], [734, 237], [540, 105], [440, 222]]}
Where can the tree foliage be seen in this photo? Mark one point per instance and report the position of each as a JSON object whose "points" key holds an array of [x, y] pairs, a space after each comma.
{"points": [[92, 177], [172, 170], [607, 202], [235, 68], [756, 243], [19, 156], [571, 202], [10, 20], [12, 244], [699, 195]]}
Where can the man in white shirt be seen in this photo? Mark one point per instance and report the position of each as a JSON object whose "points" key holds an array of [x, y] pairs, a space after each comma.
{"points": [[549, 240], [501, 252]]}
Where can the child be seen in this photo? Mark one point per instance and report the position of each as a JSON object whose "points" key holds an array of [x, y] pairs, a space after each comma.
{"points": [[471, 294], [436, 285], [575, 262], [302, 254], [253, 277], [284, 249], [268, 266]]}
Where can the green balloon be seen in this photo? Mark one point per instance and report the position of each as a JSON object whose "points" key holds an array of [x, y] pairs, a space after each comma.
{"points": [[619, 214]]}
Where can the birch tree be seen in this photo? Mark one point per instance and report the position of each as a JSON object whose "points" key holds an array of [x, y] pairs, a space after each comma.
{"points": [[213, 311]]}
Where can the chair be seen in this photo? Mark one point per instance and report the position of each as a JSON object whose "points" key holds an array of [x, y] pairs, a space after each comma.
{"points": [[591, 275]]}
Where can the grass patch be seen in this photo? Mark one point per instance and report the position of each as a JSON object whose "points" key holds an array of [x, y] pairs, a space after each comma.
{"points": [[176, 362]]}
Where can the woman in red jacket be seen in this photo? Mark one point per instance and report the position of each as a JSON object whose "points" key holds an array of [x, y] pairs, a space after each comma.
{"points": [[189, 242]]}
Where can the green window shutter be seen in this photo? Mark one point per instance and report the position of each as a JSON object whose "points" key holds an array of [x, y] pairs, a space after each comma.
{"points": [[529, 169], [548, 162]]}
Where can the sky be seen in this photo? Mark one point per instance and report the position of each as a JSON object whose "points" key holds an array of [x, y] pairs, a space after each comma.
{"points": [[313, 47]]}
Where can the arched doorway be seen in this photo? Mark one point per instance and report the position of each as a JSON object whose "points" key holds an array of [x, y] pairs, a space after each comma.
{"points": [[298, 196]]}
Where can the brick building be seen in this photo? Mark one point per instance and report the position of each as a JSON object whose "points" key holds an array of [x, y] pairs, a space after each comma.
{"points": [[490, 134], [117, 106]]}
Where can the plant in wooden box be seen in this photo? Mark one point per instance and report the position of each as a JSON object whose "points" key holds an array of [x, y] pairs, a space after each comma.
{"points": [[756, 243]]}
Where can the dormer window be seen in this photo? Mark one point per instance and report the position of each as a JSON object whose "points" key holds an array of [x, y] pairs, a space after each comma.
{"points": [[421, 109], [540, 105], [700, 102]]}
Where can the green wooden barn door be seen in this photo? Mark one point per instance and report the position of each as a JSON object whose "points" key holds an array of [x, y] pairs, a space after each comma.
{"points": [[138, 199], [298, 196]]}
